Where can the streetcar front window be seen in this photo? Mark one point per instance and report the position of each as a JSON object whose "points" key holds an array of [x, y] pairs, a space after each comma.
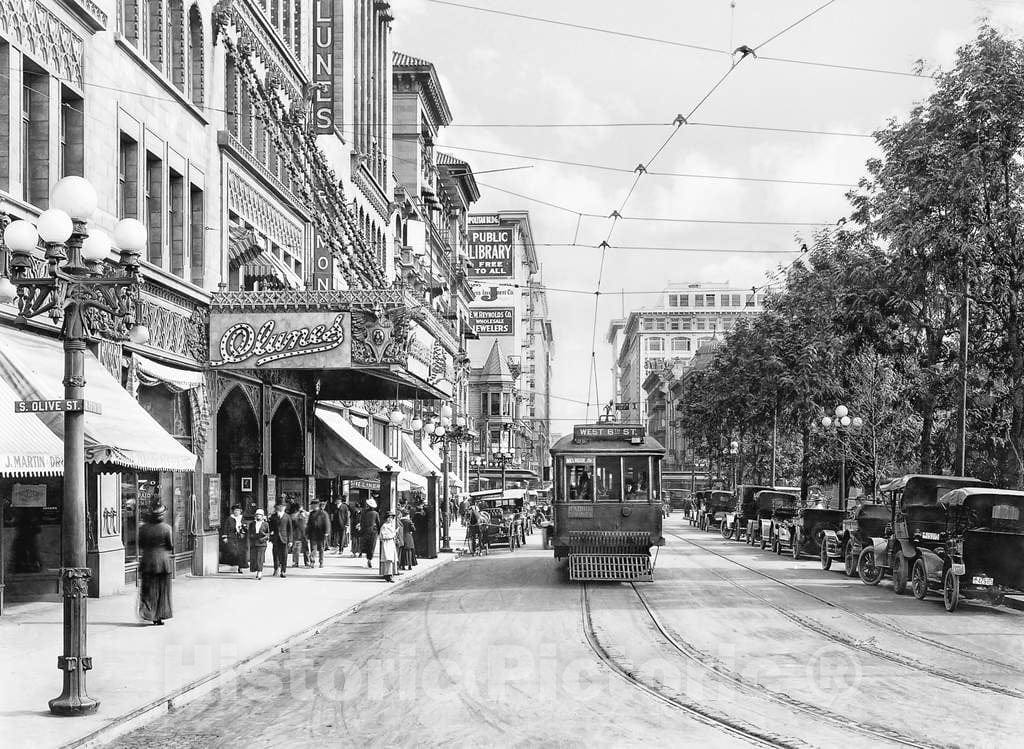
{"points": [[608, 479], [580, 481], [636, 478]]}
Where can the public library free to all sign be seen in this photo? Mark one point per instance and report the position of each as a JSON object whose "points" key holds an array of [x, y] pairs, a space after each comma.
{"points": [[490, 250]]}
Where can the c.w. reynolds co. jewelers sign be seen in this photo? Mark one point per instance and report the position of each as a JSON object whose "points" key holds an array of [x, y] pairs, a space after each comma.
{"points": [[270, 340]]}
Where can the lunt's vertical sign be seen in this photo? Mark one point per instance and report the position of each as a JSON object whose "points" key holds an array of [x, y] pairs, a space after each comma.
{"points": [[323, 66]]}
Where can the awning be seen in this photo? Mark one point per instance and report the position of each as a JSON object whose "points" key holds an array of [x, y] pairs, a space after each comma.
{"points": [[27, 446], [432, 455], [183, 379], [414, 460], [267, 265], [124, 433], [343, 452]]}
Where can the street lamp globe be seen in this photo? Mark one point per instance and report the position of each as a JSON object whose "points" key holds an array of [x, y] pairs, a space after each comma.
{"points": [[397, 417], [841, 411], [858, 422], [96, 246], [460, 421], [734, 446], [76, 197], [139, 334], [446, 411], [417, 424], [21, 236], [7, 290], [439, 430], [130, 234], [55, 226], [845, 421], [826, 421]]}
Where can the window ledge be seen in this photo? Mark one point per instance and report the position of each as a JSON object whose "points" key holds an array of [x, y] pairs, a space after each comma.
{"points": [[160, 78]]}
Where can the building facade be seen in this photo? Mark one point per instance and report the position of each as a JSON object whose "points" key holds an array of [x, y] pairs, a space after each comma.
{"points": [[669, 334], [254, 140], [510, 317]]}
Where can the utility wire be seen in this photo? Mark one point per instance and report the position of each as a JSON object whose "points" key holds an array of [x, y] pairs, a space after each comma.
{"points": [[793, 25]]}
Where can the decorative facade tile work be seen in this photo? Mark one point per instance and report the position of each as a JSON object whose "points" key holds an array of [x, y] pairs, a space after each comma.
{"points": [[29, 25], [246, 201]]}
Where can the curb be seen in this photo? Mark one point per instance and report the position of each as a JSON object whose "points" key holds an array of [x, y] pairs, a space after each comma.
{"points": [[185, 694]]}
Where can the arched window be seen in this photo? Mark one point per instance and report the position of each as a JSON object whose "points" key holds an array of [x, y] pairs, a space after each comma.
{"points": [[175, 37], [195, 56], [655, 344], [680, 344]]}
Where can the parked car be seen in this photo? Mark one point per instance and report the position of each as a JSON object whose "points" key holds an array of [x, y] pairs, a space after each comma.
{"points": [[804, 533], [982, 550], [774, 509], [863, 522], [917, 523], [714, 509], [760, 523], [735, 522]]}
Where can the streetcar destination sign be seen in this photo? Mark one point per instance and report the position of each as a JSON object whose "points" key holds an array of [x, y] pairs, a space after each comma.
{"points": [[41, 406], [607, 432]]}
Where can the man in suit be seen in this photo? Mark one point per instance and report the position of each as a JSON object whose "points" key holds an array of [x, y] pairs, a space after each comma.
{"points": [[318, 532], [280, 538], [341, 523]]}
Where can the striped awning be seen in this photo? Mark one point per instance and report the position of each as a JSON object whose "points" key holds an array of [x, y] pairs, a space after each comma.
{"points": [[343, 452], [268, 267], [243, 245], [27, 446]]}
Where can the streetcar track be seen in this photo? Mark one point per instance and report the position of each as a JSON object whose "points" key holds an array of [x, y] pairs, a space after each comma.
{"points": [[864, 617], [709, 663], [700, 714], [858, 645]]}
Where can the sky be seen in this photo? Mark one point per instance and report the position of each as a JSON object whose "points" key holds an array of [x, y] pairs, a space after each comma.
{"points": [[620, 95]]}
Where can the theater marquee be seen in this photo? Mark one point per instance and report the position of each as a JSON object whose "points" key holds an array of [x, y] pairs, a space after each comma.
{"points": [[278, 340]]}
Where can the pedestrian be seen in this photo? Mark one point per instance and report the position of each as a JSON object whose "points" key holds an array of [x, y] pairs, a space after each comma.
{"points": [[407, 558], [388, 558], [280, 538], [473, 527], [156, 566], [318, 532], [353, 520], [234, 535], [259, 535], [369, 525], [299, 541], [341, 523]]}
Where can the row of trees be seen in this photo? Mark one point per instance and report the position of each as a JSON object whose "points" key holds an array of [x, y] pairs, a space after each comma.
{"points": [[875, 313]]}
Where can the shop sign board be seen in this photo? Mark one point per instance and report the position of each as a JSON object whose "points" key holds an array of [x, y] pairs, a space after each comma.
{"points": [[490, 250], [50, 406], [213, 495], [28, 495], [15, 464], [493, 320], [484, 218], [323, 66], [280, 340]]}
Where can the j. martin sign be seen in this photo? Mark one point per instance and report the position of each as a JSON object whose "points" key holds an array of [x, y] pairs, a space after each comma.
{"points": [[491, 252], [268, 340]]}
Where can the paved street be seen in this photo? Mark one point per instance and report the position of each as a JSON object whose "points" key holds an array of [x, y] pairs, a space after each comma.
{"points": [[730, 645]]}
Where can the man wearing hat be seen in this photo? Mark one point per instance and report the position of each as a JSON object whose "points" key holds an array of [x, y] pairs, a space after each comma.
{"points": [[318, 531], [369, 525], [280, 538]]}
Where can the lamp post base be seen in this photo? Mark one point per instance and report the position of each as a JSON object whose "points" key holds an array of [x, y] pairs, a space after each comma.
{"points": [[73, 700]]}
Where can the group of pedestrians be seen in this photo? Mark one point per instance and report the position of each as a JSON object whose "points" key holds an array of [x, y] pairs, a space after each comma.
{"points": [[326, 526]]}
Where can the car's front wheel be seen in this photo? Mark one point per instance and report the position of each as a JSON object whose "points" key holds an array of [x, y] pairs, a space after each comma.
{"points": [[951, 591], [919, 580], [869, 572]]}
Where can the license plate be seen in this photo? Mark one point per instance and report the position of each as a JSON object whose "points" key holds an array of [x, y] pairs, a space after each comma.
{"points": [[981, 580], [930, 536], [958, 569]]}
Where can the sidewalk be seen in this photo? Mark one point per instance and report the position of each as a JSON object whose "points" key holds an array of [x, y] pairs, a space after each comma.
{"points": [[218, 621]]}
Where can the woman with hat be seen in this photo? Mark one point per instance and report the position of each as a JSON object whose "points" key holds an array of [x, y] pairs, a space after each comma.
{"points": [[259, 537], [369, 525], [407, 529], [156, 566], [388, 548], [235, 542]]}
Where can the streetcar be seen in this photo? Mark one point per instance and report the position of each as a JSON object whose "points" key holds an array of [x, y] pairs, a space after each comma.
{"points": [[607, 511]]}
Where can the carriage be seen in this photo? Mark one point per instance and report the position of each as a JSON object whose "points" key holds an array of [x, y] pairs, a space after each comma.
{"points": [[607, 510], [917, 523], [981, 554], [863, 522], [501, 518]]}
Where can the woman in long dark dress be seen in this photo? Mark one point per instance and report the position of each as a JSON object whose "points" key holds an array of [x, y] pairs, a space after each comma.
{"points": [[369, 525], [236, 544], [259, 537], [156, 566], [407, 555]]}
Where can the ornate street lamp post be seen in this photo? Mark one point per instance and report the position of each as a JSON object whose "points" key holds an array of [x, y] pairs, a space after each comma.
{"points": [[82, 291], [445, 434], [842, 423], [504, 458], [477, 462], [734, 452]]}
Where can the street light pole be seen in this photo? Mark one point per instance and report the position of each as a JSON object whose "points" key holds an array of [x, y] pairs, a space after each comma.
{"points": [[842, 422], [76, 291]]}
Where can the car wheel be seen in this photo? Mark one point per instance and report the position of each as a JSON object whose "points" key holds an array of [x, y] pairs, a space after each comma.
{"points": [[727, 531], [951, 591], [818, 534], [869, 572], [850, 563], [899, 574], [919, 580], [794, 538], [764, 543], [826, 560]]}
